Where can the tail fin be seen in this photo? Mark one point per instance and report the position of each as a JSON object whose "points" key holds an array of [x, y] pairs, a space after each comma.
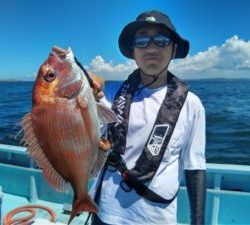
{"points": [[86, 204]]}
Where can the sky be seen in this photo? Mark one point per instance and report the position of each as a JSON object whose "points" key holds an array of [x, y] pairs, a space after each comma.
{"points": [[218, 31]]}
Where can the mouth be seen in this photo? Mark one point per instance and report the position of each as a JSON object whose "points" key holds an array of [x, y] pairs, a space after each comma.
{"points": [[71, 89], [151, 58]]}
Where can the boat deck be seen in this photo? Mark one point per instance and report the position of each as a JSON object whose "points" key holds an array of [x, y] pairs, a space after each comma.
{"points": [[228, 191], [13, 201]]}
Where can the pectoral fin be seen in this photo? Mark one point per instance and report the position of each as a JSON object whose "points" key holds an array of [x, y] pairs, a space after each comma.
{"points": [[105, 114], [82, 102]]}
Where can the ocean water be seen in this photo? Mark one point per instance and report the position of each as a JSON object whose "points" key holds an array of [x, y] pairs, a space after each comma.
{"points": [[226, 101]]}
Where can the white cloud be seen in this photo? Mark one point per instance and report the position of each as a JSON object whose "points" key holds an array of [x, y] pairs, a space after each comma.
{"points": [[230, 60], [109, 70]]}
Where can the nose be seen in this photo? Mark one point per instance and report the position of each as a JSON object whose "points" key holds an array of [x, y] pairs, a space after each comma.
{"points": [[151, 48]]}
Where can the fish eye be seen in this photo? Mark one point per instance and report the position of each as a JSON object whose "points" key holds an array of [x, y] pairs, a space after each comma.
{"points": [[50, 76]]}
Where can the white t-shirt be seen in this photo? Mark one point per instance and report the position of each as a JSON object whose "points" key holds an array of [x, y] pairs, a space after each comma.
{"points": [[186, 150]]}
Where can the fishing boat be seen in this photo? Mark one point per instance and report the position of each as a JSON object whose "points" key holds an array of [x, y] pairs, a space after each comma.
{"points": [[22, 184]]}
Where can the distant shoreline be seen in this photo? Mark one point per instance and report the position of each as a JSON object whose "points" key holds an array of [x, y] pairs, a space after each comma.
{"points": [[5, 81], [197, 79]]}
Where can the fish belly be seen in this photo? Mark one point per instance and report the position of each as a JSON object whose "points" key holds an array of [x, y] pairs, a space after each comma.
{"points": [[69, 142]]}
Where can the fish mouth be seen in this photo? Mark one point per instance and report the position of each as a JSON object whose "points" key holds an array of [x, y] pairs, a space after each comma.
{"points": [[71, 89]]}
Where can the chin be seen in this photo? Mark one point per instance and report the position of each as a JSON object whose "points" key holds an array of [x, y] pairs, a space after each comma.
{"points": [[151, 70]]}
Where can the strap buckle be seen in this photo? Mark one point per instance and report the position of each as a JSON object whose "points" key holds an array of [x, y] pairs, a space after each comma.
{"points": [[116, 162]]}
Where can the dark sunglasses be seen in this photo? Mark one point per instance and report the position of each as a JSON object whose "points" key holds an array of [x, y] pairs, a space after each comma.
{"points": [[159, 40]]}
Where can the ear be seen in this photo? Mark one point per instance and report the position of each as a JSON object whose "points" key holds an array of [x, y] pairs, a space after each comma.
{"points": [[174, 50]]}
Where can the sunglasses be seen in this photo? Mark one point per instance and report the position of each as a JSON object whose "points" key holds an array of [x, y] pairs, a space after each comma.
{"points": [[159, 40]]}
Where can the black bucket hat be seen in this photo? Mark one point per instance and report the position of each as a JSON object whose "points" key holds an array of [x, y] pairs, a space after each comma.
{"points": [[147, 18]]}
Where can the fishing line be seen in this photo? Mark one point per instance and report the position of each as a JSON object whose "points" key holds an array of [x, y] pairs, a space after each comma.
{"points": [[91, 83], [87, 220]]}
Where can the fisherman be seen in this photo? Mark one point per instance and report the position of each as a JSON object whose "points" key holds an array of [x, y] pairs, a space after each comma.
{"points": [[159, 137]]}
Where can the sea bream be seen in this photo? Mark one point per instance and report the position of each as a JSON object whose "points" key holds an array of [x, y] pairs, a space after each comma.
{"points": [[62, 133]]}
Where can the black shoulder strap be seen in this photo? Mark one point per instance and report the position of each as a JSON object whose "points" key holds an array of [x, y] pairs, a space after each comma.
{"points": [[151, 157], [121, 107]]}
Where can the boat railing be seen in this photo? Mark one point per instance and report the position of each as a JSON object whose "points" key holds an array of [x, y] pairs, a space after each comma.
{"points": [[228, 187]]}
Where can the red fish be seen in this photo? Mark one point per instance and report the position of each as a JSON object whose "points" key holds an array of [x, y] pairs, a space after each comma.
{"points": [[62, 133]]}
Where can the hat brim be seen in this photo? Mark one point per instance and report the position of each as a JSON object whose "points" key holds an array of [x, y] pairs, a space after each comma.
{"points": [[127, 35]]}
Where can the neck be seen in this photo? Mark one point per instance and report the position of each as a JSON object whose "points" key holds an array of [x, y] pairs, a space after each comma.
{"points": [[154, 81]]}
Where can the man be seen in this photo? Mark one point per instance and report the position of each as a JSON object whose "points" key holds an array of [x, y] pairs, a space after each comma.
{"points": [[160, 135]]}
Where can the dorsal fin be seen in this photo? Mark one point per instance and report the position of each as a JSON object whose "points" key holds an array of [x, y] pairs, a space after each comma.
{"points": [[36, 152]]}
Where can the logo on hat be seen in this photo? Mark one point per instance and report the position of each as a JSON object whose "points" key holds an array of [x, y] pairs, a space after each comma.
{"points": [[150, 18]]}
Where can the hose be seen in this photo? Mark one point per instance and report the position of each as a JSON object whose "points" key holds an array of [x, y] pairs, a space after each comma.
{"points": [[26, 220]]}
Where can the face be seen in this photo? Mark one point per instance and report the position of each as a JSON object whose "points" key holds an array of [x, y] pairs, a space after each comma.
{"points": [[152, 59]]}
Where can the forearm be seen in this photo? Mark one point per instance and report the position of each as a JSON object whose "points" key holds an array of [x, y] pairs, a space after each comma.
{"points": [[196, 187]]}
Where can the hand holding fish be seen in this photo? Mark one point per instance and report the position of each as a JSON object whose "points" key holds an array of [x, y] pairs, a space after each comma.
{"points": [[98, 85]]}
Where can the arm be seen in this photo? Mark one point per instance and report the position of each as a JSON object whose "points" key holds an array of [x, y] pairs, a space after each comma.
{"points": [[194, 163], [196, 188]]}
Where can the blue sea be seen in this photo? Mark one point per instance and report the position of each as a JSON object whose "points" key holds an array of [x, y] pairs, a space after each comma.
{"points": [[226, 101]]}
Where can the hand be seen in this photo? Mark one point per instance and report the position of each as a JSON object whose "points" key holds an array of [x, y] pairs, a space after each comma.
{"points": [[98, 84]]}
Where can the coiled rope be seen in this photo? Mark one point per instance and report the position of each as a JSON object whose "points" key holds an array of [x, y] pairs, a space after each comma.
{"points": [[26, 220]]}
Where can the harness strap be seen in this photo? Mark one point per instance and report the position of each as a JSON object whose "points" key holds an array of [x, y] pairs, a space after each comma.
{"points": [[148, 162], [144, 191], [115, 160]]}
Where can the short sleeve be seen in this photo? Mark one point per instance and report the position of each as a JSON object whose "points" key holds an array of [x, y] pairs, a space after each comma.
{"points": [[193, 154]]}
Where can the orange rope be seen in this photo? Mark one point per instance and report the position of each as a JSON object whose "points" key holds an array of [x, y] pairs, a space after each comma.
{"points": [[9, 220]]}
